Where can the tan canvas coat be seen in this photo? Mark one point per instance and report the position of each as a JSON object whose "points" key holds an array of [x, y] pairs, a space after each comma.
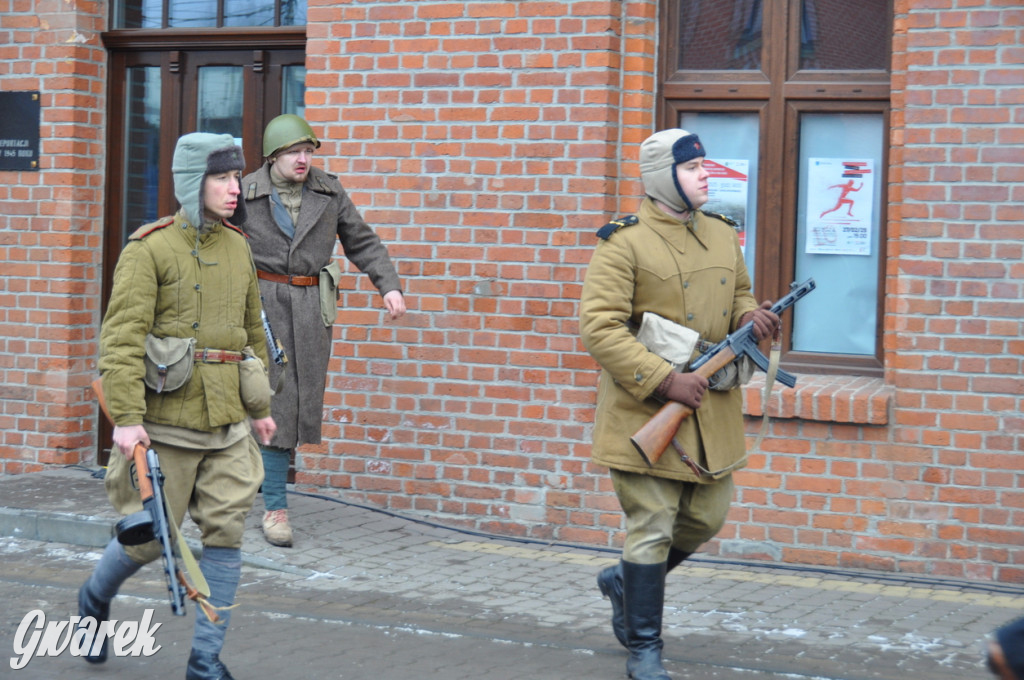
{"points": [[327, 216], [167, 285], [690, 273]]}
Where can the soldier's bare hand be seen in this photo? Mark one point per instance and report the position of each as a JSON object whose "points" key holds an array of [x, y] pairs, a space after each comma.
{"points": [[394, 302], [125, 438], [264, 429]]}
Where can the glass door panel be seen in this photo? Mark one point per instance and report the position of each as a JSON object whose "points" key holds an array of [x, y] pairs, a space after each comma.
{"points": [[293, 90], [219, 105], [141, 149], [839, 231], [732, 140]]}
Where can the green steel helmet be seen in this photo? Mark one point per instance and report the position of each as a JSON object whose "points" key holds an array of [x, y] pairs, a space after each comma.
{"points": [[284, 131]]}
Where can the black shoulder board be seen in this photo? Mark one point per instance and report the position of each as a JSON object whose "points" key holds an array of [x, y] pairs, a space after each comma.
{"points": [[728, 220], [607, 230]]}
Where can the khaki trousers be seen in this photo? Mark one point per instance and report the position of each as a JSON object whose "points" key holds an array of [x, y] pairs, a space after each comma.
{"points": [[667, 513], [218, 487]]}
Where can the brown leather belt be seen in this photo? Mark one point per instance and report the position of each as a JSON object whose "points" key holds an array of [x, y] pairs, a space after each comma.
{"points": [[291, 280], [218, 356]]}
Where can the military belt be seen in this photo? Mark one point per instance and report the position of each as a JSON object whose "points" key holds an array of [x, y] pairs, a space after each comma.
{"points": [[289, 279], [218, 356]]}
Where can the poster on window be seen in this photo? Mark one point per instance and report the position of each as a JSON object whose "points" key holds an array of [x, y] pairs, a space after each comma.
{"points": [[727, 191], [840, 203]]}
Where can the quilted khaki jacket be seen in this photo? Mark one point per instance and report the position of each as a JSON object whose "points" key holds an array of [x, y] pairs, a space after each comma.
{"points": [[168, 283]]}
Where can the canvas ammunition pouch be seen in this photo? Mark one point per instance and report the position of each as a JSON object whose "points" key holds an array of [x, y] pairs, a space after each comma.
{"points": [[168, 362], [253, 382], [670, 341], [676, 344], [330, 276]]}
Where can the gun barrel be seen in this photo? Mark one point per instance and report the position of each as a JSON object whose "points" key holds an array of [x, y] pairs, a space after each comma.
{"points": [[796, 291], [161, 527]]}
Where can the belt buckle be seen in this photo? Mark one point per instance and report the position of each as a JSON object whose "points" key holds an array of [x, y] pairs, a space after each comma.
{"points": [[206, 352]]}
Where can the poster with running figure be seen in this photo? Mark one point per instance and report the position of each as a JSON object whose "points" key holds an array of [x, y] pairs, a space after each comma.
{"points": [[840, 205]]}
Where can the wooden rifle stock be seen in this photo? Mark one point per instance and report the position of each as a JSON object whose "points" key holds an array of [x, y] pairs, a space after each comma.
{"points": [[653, 438]]}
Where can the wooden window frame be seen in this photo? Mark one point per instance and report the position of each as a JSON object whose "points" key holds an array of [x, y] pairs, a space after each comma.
{"points": [[170, 49], [779, 92]]}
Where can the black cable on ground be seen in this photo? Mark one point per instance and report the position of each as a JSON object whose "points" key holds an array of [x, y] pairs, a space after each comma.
{"points": [[908, 579], [911, 579]]}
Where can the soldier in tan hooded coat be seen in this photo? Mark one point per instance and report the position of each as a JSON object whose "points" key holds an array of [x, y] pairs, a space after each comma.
{"points": [[685, 266]]}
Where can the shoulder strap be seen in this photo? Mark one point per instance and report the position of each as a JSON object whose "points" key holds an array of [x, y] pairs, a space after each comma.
{"points": [[725, 218], [607, 230], [147, 229]]}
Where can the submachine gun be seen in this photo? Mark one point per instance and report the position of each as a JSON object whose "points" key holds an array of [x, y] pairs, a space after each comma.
{"points": [[653, 438], [153, 522]]}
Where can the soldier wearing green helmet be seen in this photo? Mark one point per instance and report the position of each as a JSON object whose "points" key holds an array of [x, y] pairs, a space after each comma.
{"points": [[297, 214], [285, 131]]}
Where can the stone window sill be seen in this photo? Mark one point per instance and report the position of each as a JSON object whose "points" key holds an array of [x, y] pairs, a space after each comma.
{"points": [[825, 398]]}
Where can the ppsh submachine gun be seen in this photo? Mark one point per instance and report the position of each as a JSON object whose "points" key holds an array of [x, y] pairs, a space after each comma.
{"points": [[274, 347], [654, 437], [152, 522], [155, 522]]}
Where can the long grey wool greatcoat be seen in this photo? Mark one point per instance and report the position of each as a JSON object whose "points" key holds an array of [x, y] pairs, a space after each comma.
{"points": [[327, 214]]}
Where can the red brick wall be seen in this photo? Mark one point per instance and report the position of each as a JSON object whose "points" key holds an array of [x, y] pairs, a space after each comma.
{"points": [[921, 474], [952, 502], [51, 235], [487, 141], [484, 140]]}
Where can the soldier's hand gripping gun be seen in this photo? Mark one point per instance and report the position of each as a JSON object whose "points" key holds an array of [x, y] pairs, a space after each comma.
{"points": [[653, 438], [274, 346], [152, 523]]}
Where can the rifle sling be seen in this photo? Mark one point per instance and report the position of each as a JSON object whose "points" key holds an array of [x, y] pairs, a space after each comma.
{"points": [[769, 380], [191, 566]]}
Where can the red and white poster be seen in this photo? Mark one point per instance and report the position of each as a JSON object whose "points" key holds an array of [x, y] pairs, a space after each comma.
{"points": [[728, 189], [840, 205]]}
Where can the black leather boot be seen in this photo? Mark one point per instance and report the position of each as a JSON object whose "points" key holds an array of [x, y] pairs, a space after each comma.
{"points": [[643, 591], [609, 580], [87, 606], [206, 666]]}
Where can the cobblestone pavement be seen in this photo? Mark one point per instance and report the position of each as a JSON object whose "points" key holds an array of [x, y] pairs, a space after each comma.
{"points": [[369, 595]]}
